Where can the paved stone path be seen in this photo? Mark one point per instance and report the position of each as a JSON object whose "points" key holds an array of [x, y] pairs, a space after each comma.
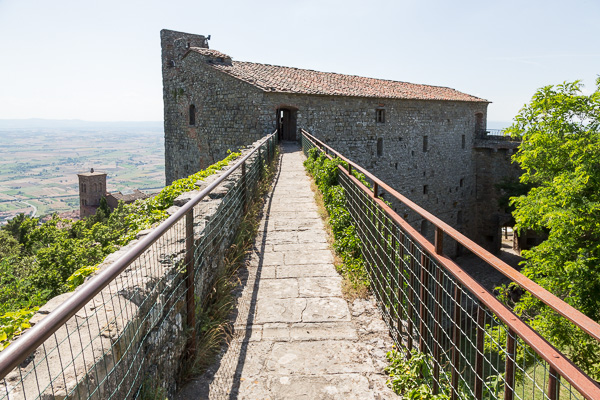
{"points": [[295, 336]]}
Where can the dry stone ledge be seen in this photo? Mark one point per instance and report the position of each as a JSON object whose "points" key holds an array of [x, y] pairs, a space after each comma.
{"points": [[136, 324]]}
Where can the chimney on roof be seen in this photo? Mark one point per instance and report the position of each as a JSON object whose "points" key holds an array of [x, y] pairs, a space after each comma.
{"points": [[92, 170]]}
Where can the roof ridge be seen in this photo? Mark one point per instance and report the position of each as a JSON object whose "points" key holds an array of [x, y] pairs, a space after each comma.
{"points": [[349, 75], [278, 78]]}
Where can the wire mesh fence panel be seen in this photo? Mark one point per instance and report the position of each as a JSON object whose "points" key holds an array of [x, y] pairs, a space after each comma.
{"points": [[133, 331], [476, 348]]}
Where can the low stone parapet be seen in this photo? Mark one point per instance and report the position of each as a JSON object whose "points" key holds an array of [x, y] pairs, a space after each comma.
{"points": [[132, 335]]}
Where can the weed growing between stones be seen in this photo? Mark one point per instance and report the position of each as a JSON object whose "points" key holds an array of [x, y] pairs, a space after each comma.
{"points": [[412, 376], [346, 243], [151, 390], [213, 314]]}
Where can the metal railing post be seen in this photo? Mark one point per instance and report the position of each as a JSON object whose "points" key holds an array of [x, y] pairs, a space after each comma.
{"points": [[456, 339], [509, 382], [244, 187], [479, 353], [260, 163], [401, 282], [437, 332], [439, 240], [411, 295], [423, 277], [553, 384], [189, 281]]}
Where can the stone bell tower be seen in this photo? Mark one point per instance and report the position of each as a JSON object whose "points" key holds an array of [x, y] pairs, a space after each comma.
{"points": [[92, 188]]}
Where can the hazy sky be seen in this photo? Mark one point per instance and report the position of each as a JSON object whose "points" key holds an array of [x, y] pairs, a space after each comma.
{"points": [[100, 60]]}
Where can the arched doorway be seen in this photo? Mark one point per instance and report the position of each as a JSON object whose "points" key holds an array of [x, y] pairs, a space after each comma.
{"points": [[286, 123]]}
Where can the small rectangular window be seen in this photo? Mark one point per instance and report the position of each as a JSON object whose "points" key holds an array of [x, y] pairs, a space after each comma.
{"points": [[379, 147], [463, 141], [425, 189], [425, 143], [462, 182], [192, 114], [380, 115]]}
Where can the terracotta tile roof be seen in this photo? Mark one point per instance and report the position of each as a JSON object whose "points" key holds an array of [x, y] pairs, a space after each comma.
{"points": [[207, 52], [272, 78], [129, 198]]}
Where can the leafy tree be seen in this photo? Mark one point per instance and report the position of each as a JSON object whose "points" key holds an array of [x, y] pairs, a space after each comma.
{"points": [[20, 227], [560, 154], [9, 246], [104, 206]]}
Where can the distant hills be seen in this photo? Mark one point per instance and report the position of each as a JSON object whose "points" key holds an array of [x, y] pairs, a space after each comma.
{"points": [[77, 124], [498, 124]]}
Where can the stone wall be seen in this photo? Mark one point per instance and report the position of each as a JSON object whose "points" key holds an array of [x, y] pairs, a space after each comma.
{"points": [[493, 164], [225, 118], [423, 149], [133, 332]]}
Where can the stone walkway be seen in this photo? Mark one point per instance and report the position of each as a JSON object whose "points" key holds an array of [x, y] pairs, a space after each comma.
{"points": [[295, 336]]}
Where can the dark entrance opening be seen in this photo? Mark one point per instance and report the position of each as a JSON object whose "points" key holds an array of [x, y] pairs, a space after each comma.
{"points": [[286, 124]]}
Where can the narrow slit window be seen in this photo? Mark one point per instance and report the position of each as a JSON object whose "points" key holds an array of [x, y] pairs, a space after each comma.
{"points": [[192, 114], [379, 147], [425, 189], [380, 115], [425, 143], [464, 142]]}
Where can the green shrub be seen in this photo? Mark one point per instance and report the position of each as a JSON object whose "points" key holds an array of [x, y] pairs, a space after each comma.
{"points": [[346, 241], [412, 377]]}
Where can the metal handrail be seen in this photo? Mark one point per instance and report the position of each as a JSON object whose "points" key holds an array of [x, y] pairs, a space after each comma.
{"points": [[29, 341], [495, 134], [561, 364], [569, 312]]}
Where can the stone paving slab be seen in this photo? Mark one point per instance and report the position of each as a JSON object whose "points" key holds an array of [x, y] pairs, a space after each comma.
{"points": [[295, 336], [319, 358], [319, 287], [325, 309], [302, 387], [288, 247], [278, 288], [295, 271], [279, 310]]}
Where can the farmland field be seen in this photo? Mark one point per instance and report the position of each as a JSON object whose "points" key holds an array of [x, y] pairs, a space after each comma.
{"points": [[39, 165]]}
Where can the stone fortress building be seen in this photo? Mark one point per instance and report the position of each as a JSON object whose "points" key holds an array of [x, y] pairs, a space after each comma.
{"points": [[422, 140]]}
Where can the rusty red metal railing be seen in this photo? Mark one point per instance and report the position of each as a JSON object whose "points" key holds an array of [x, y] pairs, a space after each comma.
{"points": [[447, 313], [175, 236]]}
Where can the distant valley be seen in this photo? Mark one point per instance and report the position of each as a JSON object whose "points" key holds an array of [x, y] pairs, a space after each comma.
{"points": [[40, 159]]}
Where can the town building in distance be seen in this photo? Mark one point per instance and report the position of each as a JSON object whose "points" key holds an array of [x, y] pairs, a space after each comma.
{"points": [[92, 188]]}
